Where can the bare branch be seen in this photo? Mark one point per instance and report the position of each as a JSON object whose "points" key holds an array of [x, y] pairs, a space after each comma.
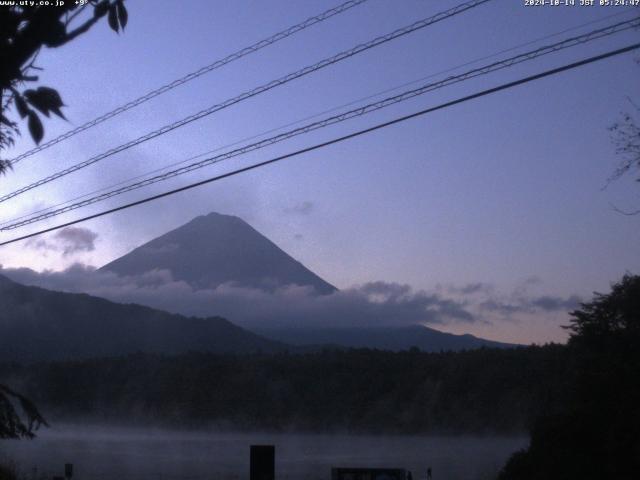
{"points": [[80, 30], [20, 422], [623, 212], [71, 17]]}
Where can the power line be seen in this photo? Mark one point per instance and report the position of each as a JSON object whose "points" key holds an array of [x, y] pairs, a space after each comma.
{"points": [[366, 109], [358, 133], [195, 74], [315, 115], [256, 91]]}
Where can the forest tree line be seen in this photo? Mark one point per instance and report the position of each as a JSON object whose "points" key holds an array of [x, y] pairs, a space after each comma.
{"points": [[363, 390]]}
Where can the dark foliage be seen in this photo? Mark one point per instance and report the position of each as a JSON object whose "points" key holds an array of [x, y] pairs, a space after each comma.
{"points": [[594, 432], [610, 320], [24, 31], [484, 390], [7, 472], [19, 417]]}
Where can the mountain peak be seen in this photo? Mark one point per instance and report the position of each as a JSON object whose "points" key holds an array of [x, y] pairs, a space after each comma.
{"points": [[214, 249], [209, 223], [217, 217]]}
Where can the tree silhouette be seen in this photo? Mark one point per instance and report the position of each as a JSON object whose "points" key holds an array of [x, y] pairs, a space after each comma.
{"points": [[625, 134], [24, 31], [595, 433], [19, 417], [615, 315]]}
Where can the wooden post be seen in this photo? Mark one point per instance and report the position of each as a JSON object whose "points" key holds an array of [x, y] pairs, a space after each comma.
{"points": [[262, 462]]}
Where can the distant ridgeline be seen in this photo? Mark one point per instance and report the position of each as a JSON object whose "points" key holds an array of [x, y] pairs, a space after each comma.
{"points": [[39, 325], [479, 391]]}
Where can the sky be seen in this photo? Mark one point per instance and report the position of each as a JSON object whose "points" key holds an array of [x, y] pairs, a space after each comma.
{"points": [[507, 191]]}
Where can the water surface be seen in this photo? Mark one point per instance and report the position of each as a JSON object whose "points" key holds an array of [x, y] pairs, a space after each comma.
{"points": [[143, 454]]}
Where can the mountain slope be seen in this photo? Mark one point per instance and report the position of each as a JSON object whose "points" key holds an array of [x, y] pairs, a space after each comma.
{"points": [[382, 338], [38, 324], [215, 249]]}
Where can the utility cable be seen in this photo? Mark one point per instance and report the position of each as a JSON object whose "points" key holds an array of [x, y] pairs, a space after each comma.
{"points": [[358, 133], [315, 115], [509, 62], [193, 75], [256, 91]]}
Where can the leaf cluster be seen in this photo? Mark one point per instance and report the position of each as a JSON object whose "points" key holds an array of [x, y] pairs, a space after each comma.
{"points": [[609, 317], [12, 423], [24, 31]]}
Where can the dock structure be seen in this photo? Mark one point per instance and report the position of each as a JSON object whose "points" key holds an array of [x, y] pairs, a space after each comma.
{"points": [[262, 462], [370, 474]]}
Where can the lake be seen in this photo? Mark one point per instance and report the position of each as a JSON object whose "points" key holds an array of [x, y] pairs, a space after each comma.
{"points": [[141, 454]]}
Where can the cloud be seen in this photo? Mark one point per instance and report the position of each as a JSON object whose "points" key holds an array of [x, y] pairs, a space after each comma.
{"points": [[470, 288], [40, 244], [524, 287], [533, 304], [549, 303], [302, 208], [375, 303], [370, 304], [383, 291], [69, 241], [485, 300], [76, 239]]}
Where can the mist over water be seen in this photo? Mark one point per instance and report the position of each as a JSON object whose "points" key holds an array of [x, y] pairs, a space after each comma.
{"points": [[141, 454]]}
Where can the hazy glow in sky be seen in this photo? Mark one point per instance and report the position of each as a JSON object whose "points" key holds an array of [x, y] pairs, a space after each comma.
{"points": [[499, 190]]}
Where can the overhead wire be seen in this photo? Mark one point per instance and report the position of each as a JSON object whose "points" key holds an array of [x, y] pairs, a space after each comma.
{"points": [[360, 111], [420, 24], [193, 75], [343, 138], [315, 115]]}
